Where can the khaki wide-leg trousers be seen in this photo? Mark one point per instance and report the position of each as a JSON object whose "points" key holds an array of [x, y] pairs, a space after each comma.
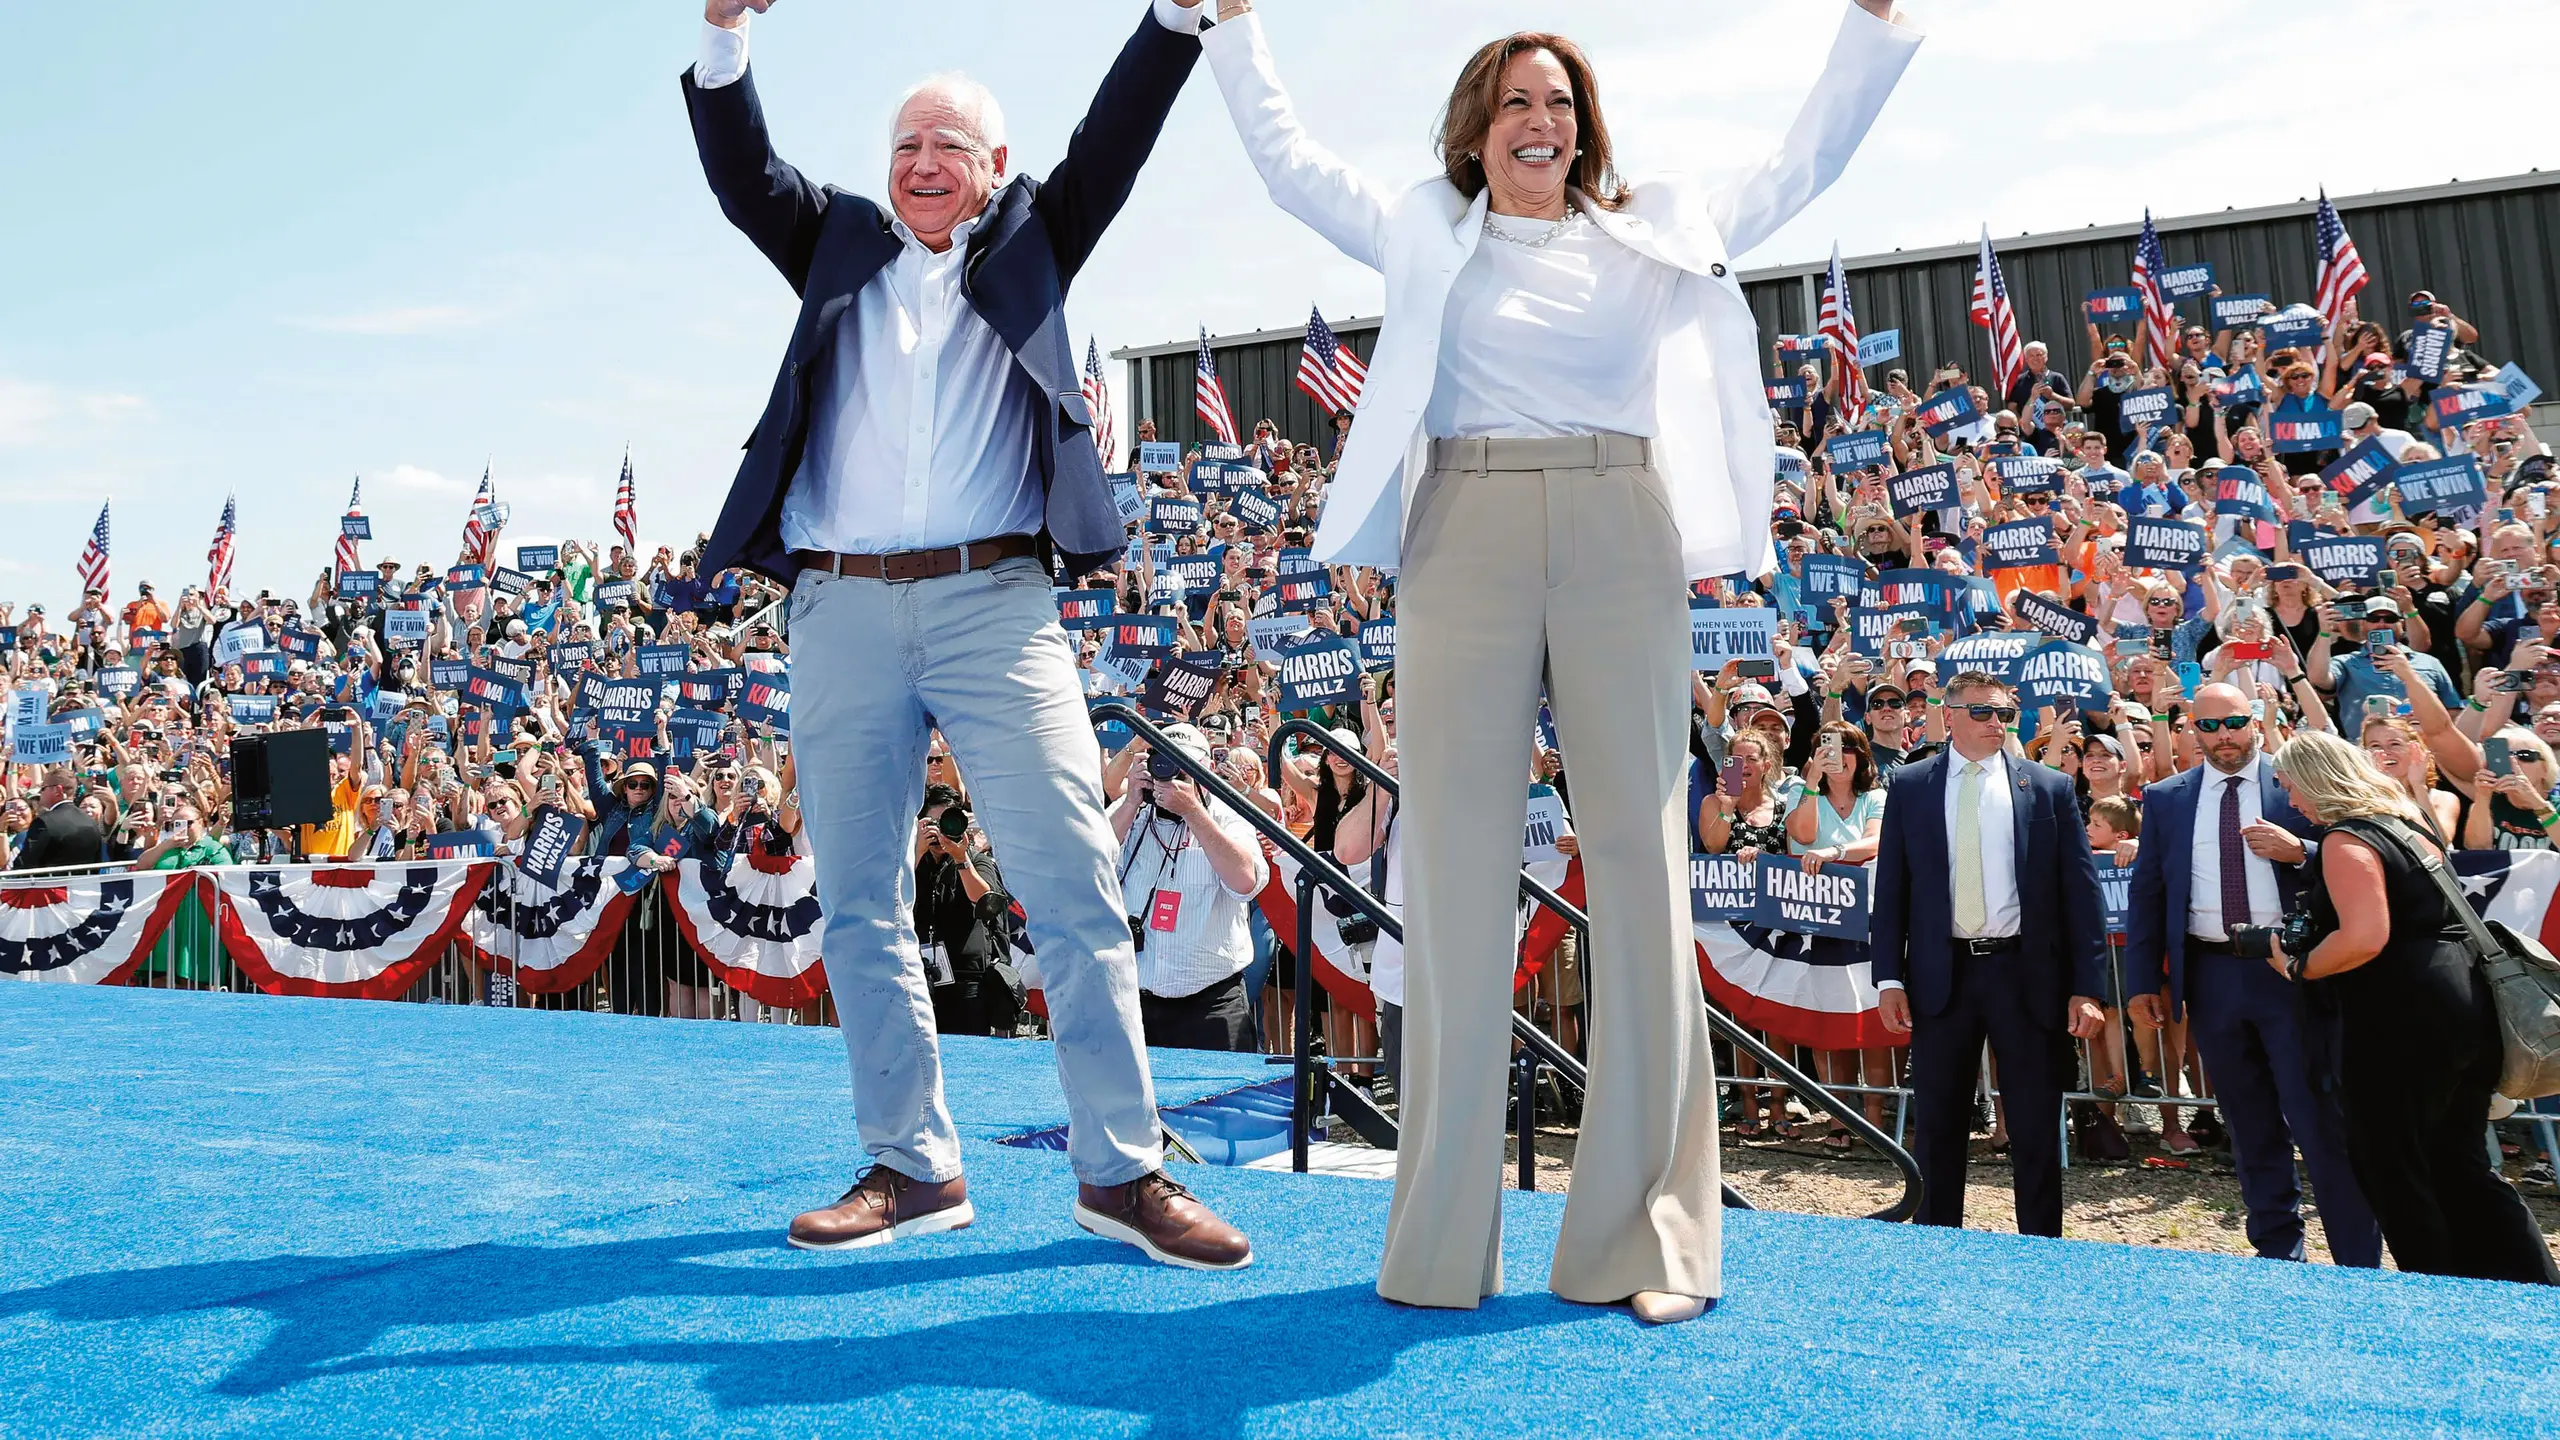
{"points": [[1554, 557]]}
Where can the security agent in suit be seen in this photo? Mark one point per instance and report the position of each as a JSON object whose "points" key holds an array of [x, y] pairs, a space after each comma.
{"points": [[63, 833], [1987, 925], [2223, 846]]}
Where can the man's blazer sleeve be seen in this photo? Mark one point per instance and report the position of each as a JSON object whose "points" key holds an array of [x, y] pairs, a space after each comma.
{"points": [[766, 198], [1111, 144]]}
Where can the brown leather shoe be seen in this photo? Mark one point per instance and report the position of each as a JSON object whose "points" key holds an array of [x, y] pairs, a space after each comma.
{"points": [[882, 1206], [1166, 1221]]}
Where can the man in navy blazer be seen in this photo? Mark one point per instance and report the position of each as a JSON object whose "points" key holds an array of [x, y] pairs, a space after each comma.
{"points": [[923, 459], [2247, 1023], [1987, 925]]}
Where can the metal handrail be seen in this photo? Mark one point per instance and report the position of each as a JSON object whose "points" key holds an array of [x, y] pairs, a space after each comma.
{"points": [[1852, 1116]]}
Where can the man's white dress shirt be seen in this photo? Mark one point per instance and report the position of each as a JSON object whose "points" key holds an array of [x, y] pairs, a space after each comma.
{"points": [[2204, 871]]}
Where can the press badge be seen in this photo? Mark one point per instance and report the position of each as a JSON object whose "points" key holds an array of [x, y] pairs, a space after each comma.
{"points": [[937, 966], [1165, 912]]}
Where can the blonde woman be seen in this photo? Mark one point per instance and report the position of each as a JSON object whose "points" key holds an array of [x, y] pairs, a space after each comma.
{"points": [[2419, 1051], [2397, 750]]}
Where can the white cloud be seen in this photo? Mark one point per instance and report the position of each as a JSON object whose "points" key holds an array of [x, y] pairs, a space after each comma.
{"points": [[423, 481], [32, 413], [399, 320]]}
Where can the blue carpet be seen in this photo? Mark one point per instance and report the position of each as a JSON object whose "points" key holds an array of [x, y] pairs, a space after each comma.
{"points": [[243, 1215]]}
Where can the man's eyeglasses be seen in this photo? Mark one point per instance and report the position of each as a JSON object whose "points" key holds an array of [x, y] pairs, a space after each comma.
{"points": [[2005, 714], [2233, 723]]}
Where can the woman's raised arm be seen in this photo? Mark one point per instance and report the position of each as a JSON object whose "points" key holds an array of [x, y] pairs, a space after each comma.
{"points": [[1304, 178]]}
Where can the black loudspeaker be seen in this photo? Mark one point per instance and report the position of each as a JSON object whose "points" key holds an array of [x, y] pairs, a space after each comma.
{"points": [[280, 780]]}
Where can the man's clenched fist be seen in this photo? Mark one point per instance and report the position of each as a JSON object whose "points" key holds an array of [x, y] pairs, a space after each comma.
{"points": [[730, 14]]}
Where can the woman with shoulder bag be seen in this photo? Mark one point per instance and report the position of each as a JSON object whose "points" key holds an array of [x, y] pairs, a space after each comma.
{"points": [[2420, 1047]]}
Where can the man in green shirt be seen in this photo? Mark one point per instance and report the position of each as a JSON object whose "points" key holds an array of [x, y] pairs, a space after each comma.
{"points": [[188, 950]]}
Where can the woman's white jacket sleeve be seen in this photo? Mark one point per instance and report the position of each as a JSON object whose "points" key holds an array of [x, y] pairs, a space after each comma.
{"points": [[1303, 177]]}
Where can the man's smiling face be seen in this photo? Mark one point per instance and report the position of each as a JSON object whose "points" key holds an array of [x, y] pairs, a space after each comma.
{"points": [[941, 168]]}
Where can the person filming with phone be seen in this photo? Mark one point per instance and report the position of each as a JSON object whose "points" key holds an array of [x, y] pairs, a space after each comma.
{"points": [[2352, 657], [1190, 867]]}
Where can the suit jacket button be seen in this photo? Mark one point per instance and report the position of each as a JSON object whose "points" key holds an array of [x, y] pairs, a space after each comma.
{"points": [[1717, 270]]}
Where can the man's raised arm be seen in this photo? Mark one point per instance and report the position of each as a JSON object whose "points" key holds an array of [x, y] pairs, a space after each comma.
{"points": [[1085, 192], [772, 203]]}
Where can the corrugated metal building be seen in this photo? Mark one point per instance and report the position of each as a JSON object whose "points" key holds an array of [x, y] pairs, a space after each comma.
{"points": [[2488, 248]]}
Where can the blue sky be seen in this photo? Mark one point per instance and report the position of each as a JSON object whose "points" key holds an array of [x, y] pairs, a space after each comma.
{"points": [[264, 249]]}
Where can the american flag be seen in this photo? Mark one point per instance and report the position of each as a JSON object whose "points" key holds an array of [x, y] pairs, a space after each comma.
{"points": [[480, 539], [1839, 325], [226, 537], [2341, 268], [1209, 396], [626, 506], [93, 556], [1993, 312], [1327, 370], [346, 557], [2159, 322], [1097, 398]]}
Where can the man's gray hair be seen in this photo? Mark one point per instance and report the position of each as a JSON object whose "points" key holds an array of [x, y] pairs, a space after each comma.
{"points": [[971, 98]]}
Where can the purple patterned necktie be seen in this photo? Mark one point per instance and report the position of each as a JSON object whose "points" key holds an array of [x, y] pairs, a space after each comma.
{"points": [[2235, 859]]}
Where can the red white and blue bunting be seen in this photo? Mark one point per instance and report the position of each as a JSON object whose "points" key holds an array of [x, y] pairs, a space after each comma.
{"points": [[1796, 989], [756, 924], [554, 939], [1336, 968], [89, 930], [352, 931]]}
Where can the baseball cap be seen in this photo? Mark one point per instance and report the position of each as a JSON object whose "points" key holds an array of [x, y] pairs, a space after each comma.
{"points": [[2356, 416], [1750, 695]]}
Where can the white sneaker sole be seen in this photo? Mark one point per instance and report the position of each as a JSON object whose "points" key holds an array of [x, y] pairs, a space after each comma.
{"points": [[1110, 1229], [958, 1217]]}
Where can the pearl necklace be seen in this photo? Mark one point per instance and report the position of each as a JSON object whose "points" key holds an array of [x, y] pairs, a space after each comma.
{"points": [[1572, 222]]}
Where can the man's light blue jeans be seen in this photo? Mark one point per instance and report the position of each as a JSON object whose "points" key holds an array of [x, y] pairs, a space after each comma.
{"points": [[876, 666]]}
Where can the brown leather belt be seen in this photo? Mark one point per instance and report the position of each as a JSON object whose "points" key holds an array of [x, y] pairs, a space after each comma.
{"points": [[905, 565]]}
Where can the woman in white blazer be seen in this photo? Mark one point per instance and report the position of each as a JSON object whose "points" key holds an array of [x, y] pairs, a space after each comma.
{"points": [[1563, 422]]}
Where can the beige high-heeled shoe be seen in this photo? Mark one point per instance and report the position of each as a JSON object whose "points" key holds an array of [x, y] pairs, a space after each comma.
{"points": [[1660, 1307]]}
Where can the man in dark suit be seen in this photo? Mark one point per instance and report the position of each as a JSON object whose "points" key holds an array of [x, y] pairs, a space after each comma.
{"points": [[2223, 846], [924, 456], [1987, 924], [63, 833]]}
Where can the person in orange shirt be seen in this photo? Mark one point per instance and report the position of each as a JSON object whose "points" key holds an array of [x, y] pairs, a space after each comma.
{"points": [[337, 839], [145, 613]]}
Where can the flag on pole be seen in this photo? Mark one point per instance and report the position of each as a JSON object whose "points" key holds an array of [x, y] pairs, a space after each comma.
{"points": [[225, 536], [2341, 268], [346, 557], [1327, 370], [1097, 398], [480, 532], [1993, 312], [93, 556], [626, 506], [1839, 325], [2159, 322], [1209, 396]]}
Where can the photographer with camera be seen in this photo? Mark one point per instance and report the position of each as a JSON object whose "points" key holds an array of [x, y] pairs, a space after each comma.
{"points": [[2223, 852], [2386, 940], [1190, 870], [961, 920]]}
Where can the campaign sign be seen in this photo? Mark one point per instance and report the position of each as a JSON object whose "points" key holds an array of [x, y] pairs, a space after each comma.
{"points": [[1303, 592], [300, 644], [536, 559], [1856, 450], [1173, 515], [2241, 492], [2155, 544], [664, 659], [355, 527], [2115, 896], [1084, 609], [2119, 310], [710, 689], [490, 690], [1799, 349], [1378, 644], [1318, 670], [1948, 409], [1830, 901], [1721, 634], [1932, 487], [472, 577], [1785, 392], [51, 744], [1830, 577], [2240, 312], [1141, 637], [119, 681], [570, 656], [459, 845], [358, 585], [1159, 457], [2028, 474], [2521, 391], [550, 838], [690, 732], [1220, 450], [265, 665], [513, 582], [245, 710], [1181, 683], [1269, 634], [1126, 499], [2428, 486], [2018, 545], [2186, 281], [1195, 573], [404, 625], [2299, 432], [1791, 463], [1879, 347], [1925, 589], [518, 673], [610, 593], [2429, 347], [84, 723], [1722, 888], [26, 707], [2238, 387], [448, 674], [2359, 471], [2000, 654], [2297, 328], [2343, 559], [1253, 505], [2142, 409], [2060, 670], [766, 701], [1209, 477], [342, 736], [2055, 619]]}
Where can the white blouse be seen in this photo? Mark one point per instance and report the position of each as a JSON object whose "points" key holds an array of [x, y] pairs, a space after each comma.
{"points": [[1558, 340]]}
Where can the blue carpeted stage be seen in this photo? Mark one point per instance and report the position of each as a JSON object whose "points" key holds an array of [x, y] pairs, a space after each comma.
{"points": [[244, 1215]]}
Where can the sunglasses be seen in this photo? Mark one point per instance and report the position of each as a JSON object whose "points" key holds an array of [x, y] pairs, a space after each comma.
{"points": [[2002, 713], [2232, 723]]}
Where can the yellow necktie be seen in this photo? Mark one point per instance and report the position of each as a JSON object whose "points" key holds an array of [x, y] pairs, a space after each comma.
{"points": [[1973, 912]]}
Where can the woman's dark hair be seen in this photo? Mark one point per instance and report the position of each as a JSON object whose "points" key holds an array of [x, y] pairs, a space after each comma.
{"points": [[1862, 756], [1477, 97]]}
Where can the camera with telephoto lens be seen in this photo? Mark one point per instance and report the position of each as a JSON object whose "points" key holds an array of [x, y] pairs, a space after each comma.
{"points": [[953, 822], [2297, 932]]}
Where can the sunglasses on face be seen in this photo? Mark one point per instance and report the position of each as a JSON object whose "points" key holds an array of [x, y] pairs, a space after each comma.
{"points": [[2002, 713], [2233, 723]]}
